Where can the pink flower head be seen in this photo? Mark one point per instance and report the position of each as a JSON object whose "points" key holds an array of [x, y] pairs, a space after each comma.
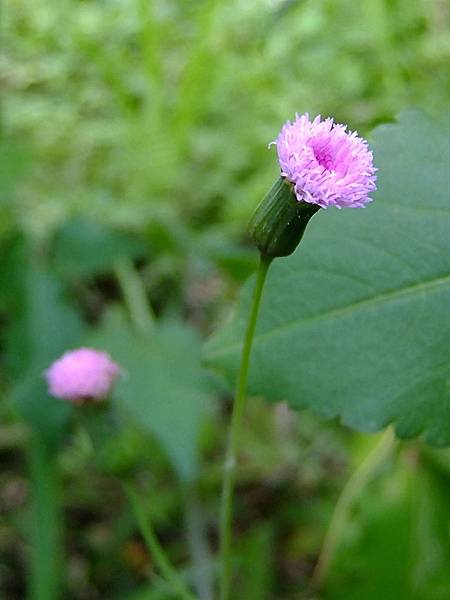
{"points": [[82, 374], [328, 165]]}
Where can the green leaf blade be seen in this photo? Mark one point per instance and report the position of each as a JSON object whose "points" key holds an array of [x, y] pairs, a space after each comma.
{"points": [[164, 388], [356, 323], [46, 325]]}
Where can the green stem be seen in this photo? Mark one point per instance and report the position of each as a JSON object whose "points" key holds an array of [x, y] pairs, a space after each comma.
{"points": [[349, 495], [47, 547], [135, 297], [234, 438], [159, 556], [142, 318]]}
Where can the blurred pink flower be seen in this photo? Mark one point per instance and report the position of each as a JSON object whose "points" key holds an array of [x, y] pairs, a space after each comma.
{"points": [[82, 374], [328, 165]]}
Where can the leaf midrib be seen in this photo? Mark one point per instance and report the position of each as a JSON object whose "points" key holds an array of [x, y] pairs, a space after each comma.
{"points": [[343, 310]]}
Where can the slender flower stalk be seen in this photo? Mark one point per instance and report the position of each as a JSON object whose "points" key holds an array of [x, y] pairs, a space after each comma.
{"points": [[143, 321], [234, 438], [363, 474], [81, 377], [167, 570], [321, 165]]}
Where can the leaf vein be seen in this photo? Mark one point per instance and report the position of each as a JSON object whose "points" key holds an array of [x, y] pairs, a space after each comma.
{"points": [[389, 296]]}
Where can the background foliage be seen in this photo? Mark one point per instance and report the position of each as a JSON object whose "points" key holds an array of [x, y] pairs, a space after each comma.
{"points": [[136, 132]]}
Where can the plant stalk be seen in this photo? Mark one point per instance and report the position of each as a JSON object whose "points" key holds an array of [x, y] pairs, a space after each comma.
{"points": [[234, 437], [143, 321], [164, 565], [47, 531], [349, 495]]}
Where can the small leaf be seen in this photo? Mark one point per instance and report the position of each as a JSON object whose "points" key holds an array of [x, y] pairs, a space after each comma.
{"points": [[164, 388], [356, 323]]}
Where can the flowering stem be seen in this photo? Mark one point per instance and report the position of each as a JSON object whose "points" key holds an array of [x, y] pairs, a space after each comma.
{"points": [[47, 551], [164, 565], [353, 488], [234, 437]]}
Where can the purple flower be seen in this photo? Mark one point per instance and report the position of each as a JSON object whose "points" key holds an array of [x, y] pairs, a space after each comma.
{"points": [[328, 165], [82, 374]]}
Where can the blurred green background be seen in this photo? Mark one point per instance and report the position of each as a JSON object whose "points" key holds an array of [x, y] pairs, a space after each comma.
{"points": [[127, 109], [139, 129]]}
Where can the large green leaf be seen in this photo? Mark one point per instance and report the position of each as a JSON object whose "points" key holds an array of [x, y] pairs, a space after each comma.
{"points": [[84, 248], [356, 323], [164, 388], [44, 325]]}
